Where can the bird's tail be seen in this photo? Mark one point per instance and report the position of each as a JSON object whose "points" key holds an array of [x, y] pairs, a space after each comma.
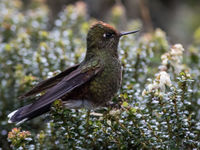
{"points": [[24, 113]]}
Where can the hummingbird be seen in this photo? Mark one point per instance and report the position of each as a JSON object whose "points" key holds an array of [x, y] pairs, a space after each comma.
{"points": [[90, 84]]}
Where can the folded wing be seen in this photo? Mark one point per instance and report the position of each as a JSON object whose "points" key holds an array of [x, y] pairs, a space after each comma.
{"points": [[75, 79], [48, 83]]}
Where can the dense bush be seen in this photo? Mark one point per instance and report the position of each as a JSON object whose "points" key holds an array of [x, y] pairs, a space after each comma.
{"points": [[157, 106]]}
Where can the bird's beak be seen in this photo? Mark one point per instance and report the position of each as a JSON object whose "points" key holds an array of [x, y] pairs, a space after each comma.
{"points": [[126, 33]]}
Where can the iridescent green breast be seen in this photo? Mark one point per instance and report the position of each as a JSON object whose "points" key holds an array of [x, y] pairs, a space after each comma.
{"points": [[106, 84]]}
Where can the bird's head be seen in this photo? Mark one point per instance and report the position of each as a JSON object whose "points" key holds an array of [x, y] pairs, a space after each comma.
{"points": [[104, 37]]}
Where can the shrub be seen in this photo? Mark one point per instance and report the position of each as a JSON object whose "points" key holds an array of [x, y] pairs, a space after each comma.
{"points": [[157, 106]]}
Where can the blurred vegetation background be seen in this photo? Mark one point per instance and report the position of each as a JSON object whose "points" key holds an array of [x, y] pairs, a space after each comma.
{"points": [[177, 17], [159, 100]]}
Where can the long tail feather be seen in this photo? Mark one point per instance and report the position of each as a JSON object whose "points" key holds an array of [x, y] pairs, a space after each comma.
{"points": [[24, 113]]}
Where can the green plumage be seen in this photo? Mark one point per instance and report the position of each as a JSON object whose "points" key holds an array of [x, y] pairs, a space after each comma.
{"points": [[90, 84], [105, 85]]}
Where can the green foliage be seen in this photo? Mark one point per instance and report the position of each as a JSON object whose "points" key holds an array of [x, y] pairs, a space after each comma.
{"points": [[156, 108]]}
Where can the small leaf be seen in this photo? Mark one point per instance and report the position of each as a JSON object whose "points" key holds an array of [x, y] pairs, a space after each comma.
{"points": [[125, 104]]}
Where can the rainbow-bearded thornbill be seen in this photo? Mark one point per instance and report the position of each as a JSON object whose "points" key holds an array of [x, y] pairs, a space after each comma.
{"points": [[90, 84]]}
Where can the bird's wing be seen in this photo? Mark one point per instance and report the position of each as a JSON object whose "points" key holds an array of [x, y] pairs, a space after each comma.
{"points": [[75, 79], [48, 83]]}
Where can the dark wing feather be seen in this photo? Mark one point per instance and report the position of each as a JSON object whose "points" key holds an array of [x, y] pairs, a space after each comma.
{"points": [[69, 83], [48, 83]]}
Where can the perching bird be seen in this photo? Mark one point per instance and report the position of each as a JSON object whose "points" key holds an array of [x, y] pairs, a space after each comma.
{"points": [[90, 84]]}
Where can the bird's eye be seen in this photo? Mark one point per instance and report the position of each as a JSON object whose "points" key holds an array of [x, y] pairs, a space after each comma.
{"points": [[107, 35]]}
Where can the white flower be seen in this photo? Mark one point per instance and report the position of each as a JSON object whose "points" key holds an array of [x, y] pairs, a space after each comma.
{"points": [[177, 50], [153, 86], [174, 56], [164, 79], [165, 59], [162, 68], [150, 87]]}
